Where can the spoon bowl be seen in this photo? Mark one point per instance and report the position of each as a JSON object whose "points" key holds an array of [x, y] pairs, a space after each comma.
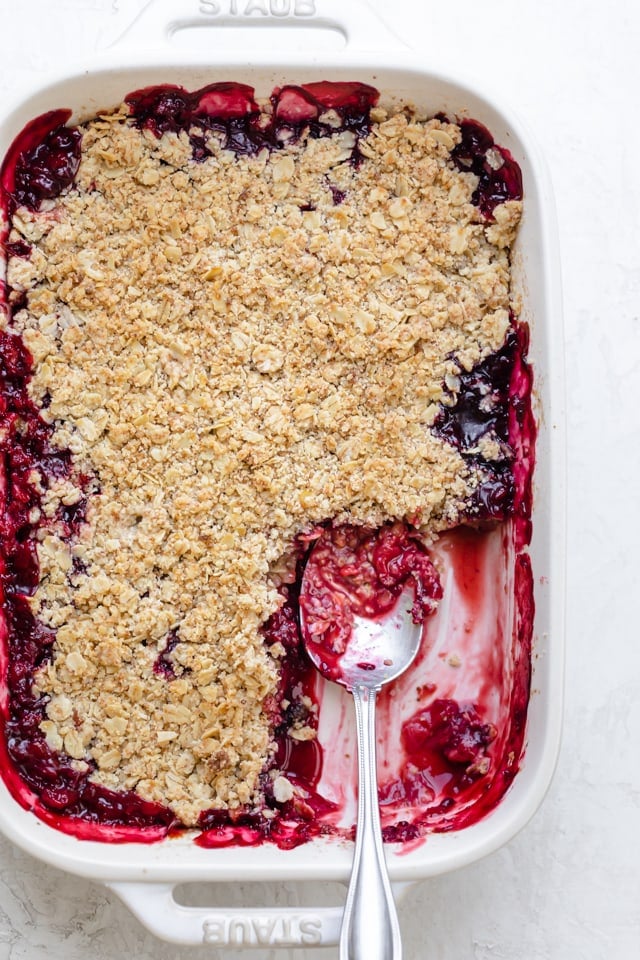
{"points": [[378, 650]]}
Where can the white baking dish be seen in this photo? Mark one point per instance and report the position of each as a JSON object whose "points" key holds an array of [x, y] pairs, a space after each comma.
{"points": [[145, 875]]}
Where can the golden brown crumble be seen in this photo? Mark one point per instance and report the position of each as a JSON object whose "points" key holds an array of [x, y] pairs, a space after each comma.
{"points": [[234, 357]]}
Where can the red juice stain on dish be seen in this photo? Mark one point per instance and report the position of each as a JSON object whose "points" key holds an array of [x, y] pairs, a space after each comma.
{"points": [[450, 748], [522, 432], [41, 163], [487, 791], [469, 567]]}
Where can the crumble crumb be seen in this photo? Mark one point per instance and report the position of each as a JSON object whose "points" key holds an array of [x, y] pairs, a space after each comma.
{"points": [[234, 356]]}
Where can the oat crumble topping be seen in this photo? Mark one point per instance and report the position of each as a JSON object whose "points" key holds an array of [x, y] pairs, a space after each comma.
{"points": [[232, 357]]}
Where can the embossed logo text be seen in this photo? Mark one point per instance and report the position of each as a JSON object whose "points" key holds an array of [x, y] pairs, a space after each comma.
{"points": [[269, 931], [267, 8]]}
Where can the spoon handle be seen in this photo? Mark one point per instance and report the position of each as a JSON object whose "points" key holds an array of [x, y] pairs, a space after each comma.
{"points": [[370, 928]]}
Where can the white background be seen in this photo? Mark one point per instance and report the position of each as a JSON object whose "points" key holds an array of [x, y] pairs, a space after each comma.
{"points": [[568, 887]]}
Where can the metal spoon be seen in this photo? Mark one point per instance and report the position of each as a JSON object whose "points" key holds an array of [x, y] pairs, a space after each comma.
{"points": [[377, 652]]}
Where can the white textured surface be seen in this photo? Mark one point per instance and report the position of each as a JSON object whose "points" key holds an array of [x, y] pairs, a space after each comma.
{"points": [[567, 888]]}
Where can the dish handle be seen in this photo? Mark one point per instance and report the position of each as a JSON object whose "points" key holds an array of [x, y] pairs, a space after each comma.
{"points": [[362, 29], [277, 927], [155, 907]]}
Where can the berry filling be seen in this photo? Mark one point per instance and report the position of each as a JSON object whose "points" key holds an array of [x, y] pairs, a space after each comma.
{"points": [[499, 176], [231, 111], [42, 162], [163, 665], [450, 741], [480, 410]]}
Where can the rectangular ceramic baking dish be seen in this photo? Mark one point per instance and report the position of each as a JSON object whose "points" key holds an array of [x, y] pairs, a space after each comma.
{"points": [[145, 876]]}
